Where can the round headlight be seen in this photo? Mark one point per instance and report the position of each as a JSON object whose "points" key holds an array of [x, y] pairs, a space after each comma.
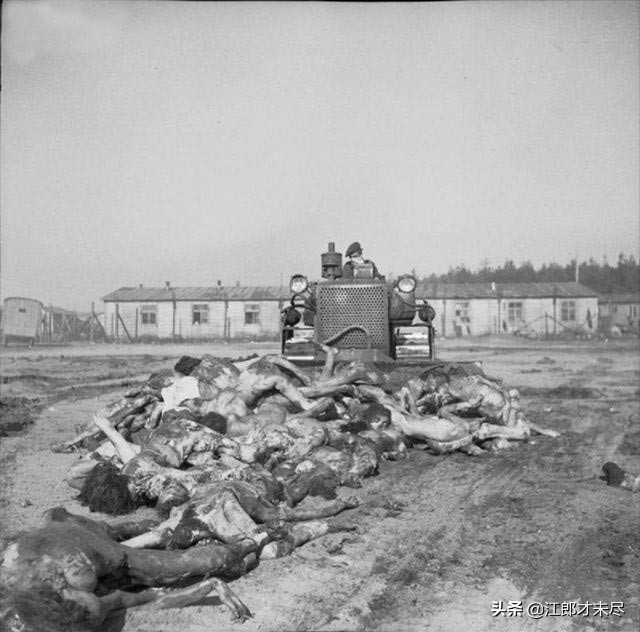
{"points": [[298, 283], [406, 283]]}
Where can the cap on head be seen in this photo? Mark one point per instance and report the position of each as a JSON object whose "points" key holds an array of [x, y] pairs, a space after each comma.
{"points": [[353, 248]]}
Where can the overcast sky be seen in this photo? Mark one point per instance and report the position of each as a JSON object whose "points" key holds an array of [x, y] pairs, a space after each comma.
{"points": [[145, 142]]}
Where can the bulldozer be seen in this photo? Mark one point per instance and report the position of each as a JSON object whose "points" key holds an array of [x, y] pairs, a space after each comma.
{"points": [[363, 315]]}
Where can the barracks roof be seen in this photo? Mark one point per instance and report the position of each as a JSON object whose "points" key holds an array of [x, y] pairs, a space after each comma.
{"points": [[276, 293], [620, 298], [215, 293], [567, 289]]}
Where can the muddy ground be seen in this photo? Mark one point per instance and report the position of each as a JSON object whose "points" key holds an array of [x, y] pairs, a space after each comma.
{"points": [[438, 539]]}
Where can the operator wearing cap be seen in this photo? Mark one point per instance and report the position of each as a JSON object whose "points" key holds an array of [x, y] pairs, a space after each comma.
{"points": [[355, 260]]}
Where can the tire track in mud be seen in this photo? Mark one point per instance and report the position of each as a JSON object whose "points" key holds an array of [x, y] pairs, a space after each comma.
{"points": [[570, 526], [593, 544], [499, 480], [430, 546], [517, 521], [595, 563]]}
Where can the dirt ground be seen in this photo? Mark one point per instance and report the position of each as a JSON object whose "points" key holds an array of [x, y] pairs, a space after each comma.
{"points": [[437, 539]]}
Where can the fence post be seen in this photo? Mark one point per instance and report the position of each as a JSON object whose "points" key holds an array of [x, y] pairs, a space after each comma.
{"points": [[173, 315], [124, 327], [546, 325], [444, 318]]}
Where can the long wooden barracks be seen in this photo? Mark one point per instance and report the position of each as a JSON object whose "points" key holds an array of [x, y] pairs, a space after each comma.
{"points": [[535, 309], [469, 309], [197, 313]]}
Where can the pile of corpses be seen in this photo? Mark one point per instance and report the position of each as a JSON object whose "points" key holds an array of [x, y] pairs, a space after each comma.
{"points": [[243, 465]]}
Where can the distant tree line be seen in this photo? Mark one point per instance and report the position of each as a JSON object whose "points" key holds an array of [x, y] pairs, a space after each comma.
{"points": [[623, 277]]}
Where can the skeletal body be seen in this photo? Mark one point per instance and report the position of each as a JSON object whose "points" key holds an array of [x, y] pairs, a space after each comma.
{"points": [[442, 435], [52, 577], [458, 391], [447, 431], [228, 511]]}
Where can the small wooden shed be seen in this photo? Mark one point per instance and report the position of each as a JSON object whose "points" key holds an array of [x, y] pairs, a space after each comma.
{"points": [[21, 319]]}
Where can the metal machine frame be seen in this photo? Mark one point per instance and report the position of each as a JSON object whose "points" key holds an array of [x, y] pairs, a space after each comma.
{"points": [[365, 317]]}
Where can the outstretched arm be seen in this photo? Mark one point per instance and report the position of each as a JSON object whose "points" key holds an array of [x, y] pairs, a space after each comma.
{"points": [[125, 450], [162, 598], [329, 363], [285, 364]]}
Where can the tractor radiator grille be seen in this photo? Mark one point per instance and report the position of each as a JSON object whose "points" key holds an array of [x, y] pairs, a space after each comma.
{"points": [[341, 306]]}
